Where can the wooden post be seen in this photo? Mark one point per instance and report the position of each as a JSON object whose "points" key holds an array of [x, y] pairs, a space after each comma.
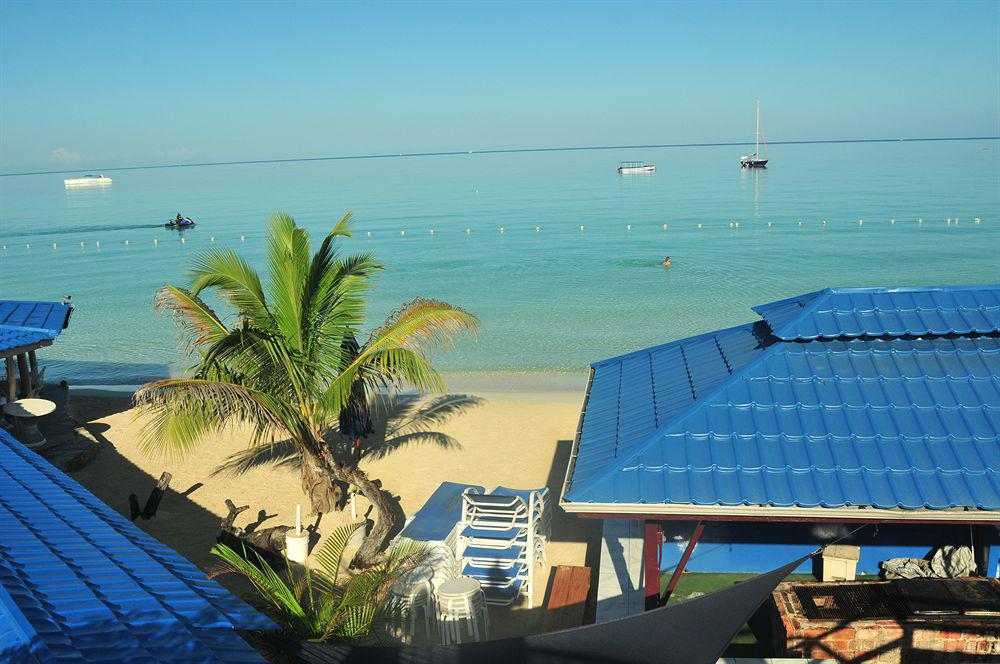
{"points": [[22, 365], [11, 381], [652, 546], [153, 502], [676, 576], [33, 363]]}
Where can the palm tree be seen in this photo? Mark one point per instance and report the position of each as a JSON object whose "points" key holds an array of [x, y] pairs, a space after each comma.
{"points": [[288, 362], [322, 604]]}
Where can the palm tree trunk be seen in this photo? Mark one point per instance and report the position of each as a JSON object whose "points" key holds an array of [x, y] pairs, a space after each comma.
{"points": [[375, 541], [317, 483]]}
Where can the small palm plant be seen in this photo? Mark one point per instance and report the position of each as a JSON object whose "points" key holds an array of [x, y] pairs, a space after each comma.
{"points": [[290, 365], [326, 603]]}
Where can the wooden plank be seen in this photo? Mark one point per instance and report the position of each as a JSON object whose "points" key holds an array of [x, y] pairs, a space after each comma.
{"points": [[17, 350], [567, 598]]}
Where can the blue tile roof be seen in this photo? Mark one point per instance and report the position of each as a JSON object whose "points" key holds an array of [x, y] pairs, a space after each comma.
{"points": [[30, 323], [876, 312], [889, 414], [16, 337], [51, 316], [79, 583]]}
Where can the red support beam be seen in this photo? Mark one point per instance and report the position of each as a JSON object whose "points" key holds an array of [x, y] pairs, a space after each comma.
{"points": [[652, 548], [688, 550]]}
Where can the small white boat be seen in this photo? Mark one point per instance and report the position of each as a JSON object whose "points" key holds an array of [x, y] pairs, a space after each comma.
{"points": [[87, 180], [629, 167]]}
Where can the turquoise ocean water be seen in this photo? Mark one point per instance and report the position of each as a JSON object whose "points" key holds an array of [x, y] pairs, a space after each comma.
{"points": [[551, 300]]}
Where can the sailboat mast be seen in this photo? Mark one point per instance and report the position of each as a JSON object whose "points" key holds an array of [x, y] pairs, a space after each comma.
{"points": [[756, 144]]}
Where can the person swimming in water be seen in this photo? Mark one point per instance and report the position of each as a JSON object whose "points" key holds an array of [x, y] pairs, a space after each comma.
{"points": [[666, 262]]}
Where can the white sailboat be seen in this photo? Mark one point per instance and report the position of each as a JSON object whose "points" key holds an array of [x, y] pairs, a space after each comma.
{"points": [[754, 160]]}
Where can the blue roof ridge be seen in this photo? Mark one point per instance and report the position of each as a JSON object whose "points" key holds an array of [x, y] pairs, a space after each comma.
{"points": [[795, 298], [823, 296], [619, 465], [669, 344]]}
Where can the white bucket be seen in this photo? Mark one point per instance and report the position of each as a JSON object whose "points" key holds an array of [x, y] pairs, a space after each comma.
{"points": [[297, 546]]}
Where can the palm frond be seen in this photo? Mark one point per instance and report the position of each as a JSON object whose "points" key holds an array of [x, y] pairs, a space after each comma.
{"points": [[287, 267], [183, 410], [201, 325], [270, 587], [235, 280], [331, 555]]}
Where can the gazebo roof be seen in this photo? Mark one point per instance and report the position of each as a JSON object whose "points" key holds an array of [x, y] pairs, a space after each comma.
{"points": [[836, 402], [28, 325], [80, 583]]}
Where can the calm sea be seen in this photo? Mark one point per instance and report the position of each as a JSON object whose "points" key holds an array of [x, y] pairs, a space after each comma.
{"points": [[552, 297]]}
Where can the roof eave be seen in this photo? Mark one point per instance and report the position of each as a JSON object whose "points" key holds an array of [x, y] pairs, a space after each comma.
{"points": [[18, 350], [768, 512]]}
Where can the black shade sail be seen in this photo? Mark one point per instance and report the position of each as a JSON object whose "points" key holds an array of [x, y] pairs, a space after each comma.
{"points": [[690, 632]]}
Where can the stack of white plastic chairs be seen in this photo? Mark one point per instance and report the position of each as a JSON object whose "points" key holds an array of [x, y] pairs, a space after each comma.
{"points": [[502, 539]]}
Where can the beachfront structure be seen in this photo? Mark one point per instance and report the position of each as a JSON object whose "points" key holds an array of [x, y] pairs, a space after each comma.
{"points": [[838, 409], [24, 328], [80, 583]]}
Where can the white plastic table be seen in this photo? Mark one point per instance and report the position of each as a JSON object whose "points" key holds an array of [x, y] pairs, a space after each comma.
{"points": [[461, 599], [25, 413]]}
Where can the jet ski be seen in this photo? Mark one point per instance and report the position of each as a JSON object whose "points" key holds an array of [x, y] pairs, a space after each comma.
{"points": [[180, 222]]}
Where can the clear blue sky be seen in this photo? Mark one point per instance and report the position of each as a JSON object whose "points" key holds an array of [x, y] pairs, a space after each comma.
{"points": [[91, 84]]}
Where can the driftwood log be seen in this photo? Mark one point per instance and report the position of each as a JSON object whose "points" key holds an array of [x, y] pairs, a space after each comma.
{"points": [[271, 540], [153, 502]]}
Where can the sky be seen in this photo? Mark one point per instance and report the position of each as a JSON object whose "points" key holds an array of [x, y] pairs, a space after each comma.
{"points": [[96, 84]]}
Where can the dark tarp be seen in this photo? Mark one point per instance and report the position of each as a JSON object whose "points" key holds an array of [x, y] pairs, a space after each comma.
{"points": [[690, 632]]}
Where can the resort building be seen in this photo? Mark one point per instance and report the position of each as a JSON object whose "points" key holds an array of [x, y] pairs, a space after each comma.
{"points": [[866, 416]]}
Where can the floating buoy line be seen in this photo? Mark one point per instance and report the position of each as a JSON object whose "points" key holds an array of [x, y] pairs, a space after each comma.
{"points": [[948, 221]]}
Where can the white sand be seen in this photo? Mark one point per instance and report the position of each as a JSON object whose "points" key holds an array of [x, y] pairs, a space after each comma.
{"points": [[518, 439]]}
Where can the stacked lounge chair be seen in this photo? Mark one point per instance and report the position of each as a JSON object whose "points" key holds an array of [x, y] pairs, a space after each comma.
{"points": [[502, 539], [436, 524]]}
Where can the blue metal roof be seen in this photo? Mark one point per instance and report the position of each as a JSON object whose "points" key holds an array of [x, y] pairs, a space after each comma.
{"points": [[876, 312], [888, 420], [30, 323], [79, 583], [51, 316], [16, 337]]}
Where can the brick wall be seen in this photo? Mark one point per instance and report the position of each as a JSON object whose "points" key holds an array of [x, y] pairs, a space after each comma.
{"points": [[914, 639]]}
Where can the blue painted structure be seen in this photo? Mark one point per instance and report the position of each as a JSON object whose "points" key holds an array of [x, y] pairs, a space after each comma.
{"points": [[31, 323], [50, 316], [79, 583], [853, 405], [828, 416]]}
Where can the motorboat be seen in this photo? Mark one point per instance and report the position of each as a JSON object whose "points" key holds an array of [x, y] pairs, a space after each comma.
{"points": [[87, 180], [629, 167]]}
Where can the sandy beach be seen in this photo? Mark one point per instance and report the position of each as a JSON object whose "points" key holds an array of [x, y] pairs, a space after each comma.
{"points": [[513, 431]]}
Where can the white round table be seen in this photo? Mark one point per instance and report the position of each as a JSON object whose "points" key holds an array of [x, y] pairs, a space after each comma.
{"points": [[462, 600], [25, 413], [459, 587]]}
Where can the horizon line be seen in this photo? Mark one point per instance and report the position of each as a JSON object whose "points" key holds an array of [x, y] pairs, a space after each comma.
{"points": [[446, 153]]}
